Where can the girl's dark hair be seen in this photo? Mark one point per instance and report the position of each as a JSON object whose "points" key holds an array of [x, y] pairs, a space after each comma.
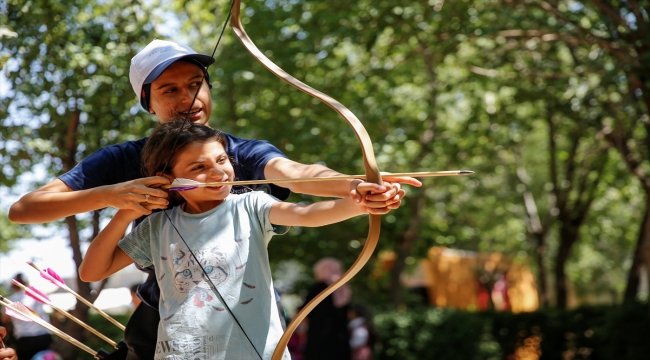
{"points": [[168, 139]]}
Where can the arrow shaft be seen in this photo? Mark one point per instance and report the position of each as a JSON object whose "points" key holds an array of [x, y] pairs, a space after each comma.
{"points": [[48, 326], [79, 297], [322, 178], [90, 305], [46, 301], [84, 325]]}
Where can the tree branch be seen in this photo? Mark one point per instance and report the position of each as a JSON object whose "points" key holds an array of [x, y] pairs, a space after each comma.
{"points": [[612, 14], [553, 160], [570, 169], [543, 35], [640, 21], [604, 44], [619, 142]]}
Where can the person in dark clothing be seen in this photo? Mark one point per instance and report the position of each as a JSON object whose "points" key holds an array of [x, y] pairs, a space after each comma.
{"points": [[327, 332]]}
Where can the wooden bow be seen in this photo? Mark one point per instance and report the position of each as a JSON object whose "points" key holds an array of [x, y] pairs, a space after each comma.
{"points": [[372, 172]]}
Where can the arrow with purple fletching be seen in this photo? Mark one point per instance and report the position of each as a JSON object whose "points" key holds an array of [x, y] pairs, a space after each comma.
{"points": [[180, 184], [19, 311], [55, 279], [42, 298]]}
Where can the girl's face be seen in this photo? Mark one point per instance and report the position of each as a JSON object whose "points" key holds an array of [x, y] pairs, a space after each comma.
{"points": [[172, 94], [204, 162]]}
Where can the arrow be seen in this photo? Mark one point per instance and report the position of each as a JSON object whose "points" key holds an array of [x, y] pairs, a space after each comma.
{"points": [[55, 279], [180, 184], [40, 297], [21, 312]]}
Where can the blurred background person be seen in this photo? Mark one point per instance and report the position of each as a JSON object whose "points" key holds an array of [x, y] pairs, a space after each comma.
{"points": [[362, 335], [297, 341], [30, 337], [327, 325]]}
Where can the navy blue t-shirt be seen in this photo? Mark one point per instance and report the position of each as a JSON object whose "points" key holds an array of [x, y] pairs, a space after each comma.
{"points": [[118, 163], [122, 162]]}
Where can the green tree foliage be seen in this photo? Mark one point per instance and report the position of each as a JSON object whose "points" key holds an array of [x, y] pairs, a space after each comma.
{"points": [[533, 45], [69, 94], [582, 333], [500, 88], [439, 85]]}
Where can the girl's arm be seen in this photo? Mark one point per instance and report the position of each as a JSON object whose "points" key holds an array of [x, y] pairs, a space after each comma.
{"points": [[379, 199], [103, 257], [317, 214]]}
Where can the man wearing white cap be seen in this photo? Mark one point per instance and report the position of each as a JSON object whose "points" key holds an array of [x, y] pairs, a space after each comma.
{"points": [[172, 82]]}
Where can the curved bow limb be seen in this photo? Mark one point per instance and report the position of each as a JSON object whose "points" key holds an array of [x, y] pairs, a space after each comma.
{"points": [[372, 172]]}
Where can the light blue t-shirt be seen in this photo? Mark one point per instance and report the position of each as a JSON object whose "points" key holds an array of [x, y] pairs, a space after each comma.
{"points": [[230, 242]]}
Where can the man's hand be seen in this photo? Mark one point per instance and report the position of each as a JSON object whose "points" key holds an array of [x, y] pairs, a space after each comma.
{"points": [[380, 199], [141, 195]]}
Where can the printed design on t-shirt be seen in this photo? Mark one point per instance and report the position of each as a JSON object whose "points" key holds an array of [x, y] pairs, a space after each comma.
{"points": [[204, 346], [189, 275], [242, 189], [190, 279], [200, 297], [249, 286], [164, 258]]}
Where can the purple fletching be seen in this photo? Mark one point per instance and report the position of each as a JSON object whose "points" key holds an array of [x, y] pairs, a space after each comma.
{"points": [[183, 188]]}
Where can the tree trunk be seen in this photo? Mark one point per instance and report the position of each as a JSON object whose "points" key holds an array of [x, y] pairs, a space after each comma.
{"points": [[640, 257], [416, 205], [568, 237], [80, 311], [540, 247], [405, 246], [67, 350]]}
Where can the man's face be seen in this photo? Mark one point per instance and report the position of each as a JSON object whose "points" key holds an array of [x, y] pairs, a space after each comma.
{"points": [[172, 94]]}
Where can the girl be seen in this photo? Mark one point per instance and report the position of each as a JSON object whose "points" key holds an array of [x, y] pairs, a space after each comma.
{"points": [[227, 233]]}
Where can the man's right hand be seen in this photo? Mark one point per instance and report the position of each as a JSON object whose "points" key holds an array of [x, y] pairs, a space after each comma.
{"points": [[141, 195], [56, 200]]}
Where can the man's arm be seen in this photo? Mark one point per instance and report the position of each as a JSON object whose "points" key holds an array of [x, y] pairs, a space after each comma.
{"points": [[281, 168], [379, 197], [57, 200]]}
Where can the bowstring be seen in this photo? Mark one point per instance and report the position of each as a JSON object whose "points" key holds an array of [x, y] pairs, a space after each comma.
{"points": [[185, 121]]}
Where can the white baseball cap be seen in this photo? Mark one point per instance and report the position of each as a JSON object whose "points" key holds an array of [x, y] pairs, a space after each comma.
{"points": [[150, 62]]}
